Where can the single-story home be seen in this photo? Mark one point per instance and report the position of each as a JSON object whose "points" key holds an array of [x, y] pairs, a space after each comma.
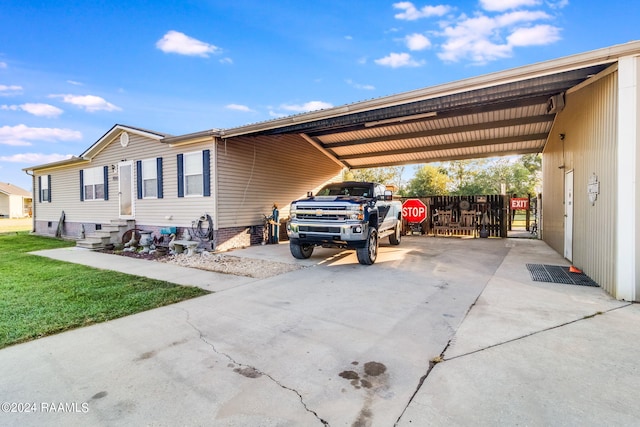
{"points": [[15, 202], [582, 112], [136, 178]]}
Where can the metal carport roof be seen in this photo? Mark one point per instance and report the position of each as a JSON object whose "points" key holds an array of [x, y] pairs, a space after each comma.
{"points": [[509, 112]]}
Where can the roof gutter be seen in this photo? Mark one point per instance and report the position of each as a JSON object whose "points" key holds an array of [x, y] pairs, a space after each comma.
{"points": [[33, 200], [55, 165], [192, 138]]}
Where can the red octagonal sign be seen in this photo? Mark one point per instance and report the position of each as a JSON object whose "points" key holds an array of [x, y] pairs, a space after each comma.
{"points": [[414, 210]]}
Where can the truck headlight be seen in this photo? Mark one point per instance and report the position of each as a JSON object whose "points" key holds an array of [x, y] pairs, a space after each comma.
{"points": [[292, 211], [356, 213]]}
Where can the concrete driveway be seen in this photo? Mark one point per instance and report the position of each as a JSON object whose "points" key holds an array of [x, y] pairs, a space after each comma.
{"points": [[335, 343]]}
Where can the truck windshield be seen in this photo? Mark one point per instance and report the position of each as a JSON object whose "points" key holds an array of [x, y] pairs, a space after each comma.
{"points": [[341, 190]]}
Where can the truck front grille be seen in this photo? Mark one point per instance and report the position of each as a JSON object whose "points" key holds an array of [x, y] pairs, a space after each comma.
{"points": [[318, 229], [322, 213]]}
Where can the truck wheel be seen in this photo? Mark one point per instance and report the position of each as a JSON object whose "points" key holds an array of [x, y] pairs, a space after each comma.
{"points": [[300, 251], [394, 238], [369, 253]]}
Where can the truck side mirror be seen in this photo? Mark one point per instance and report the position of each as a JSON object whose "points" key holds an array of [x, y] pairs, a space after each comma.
{"points": [[388, 195]]}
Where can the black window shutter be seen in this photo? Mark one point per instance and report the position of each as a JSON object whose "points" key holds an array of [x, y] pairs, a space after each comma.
{"points": [[49, 188], [180, 175], [159, 177], [40, 189], [139, 178], [105, 172], [81, 185], [206, 173]]}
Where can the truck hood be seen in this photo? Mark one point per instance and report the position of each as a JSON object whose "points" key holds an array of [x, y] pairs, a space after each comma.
{"points": [[324, 199]]}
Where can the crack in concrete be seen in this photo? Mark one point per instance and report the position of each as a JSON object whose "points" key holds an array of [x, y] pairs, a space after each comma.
{"points": [[432, 364], [586, 317], [244, 365], [440, 359]]}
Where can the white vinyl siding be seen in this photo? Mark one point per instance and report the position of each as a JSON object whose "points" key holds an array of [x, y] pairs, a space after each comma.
{"points": [[94, 184], [149, 179], [254, 173]]}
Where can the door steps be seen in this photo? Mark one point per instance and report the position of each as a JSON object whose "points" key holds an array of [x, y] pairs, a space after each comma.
{"points": [[110, 233]]}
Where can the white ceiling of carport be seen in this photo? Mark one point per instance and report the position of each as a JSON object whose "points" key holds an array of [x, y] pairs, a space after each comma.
{"points": [[494, 115]]}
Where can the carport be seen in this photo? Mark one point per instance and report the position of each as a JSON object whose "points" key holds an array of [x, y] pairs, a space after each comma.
{"points": [[507, 113]]}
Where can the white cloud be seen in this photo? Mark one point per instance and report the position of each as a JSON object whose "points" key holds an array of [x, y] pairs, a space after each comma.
{"points": [[360, 86], [411, 13], [22, 135], [519, 17], [3, 65], [75, 83], [396, 60], [180, 43], [10, 90], [502, 5], [40, 110], [226, 60], [307, 106], [417, 42], [559, 4], [485, 38], [534, 36], [238, 107], [91, 103], [35, 158]]}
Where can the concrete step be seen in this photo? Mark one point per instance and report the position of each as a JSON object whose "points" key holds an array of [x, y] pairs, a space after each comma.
{"points": [[112, 227], [100, 234], [91, 243], [108, 233]]}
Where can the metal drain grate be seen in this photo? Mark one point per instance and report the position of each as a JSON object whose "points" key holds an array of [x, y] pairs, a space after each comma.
{"points": [[558, 274]]}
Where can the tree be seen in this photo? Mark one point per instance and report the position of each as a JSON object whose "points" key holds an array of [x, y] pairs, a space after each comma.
{"points": [[383, 175], [429, 180]]}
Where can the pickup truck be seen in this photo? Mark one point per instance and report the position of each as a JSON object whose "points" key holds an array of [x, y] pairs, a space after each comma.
{"points": [[349, 215]]}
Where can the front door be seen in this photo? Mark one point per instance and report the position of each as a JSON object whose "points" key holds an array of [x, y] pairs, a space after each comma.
{"points": [[125, 190], [568, 215]]}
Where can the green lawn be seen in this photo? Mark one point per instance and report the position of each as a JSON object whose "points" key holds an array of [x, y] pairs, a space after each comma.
{"points": [[40, 296]]}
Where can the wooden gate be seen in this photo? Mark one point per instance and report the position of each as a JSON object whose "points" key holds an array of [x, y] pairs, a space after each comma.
{"points": [[476, 216]]}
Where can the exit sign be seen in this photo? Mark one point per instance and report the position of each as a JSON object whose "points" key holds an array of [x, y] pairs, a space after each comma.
{"points": [[519, 204]]}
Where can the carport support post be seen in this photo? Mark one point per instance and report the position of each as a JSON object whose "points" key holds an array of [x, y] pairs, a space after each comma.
{"points": [[628, 197]]}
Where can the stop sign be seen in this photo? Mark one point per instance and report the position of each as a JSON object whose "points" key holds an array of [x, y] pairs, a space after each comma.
{"points": [[413, 210]]}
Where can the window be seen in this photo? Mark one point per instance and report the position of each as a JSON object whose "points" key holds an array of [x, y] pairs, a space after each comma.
{"points": [[44, 183], [93, 184], [149, 179], [194, 174]]}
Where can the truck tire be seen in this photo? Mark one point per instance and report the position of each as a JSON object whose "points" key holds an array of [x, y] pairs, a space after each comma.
{"points": [[300, 251], [368, 254], [395, 238]]}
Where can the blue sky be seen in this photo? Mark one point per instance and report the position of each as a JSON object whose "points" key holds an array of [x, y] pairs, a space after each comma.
{"points": [[70, 70]]}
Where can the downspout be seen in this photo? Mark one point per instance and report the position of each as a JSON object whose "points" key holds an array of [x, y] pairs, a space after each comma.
{"points": [[33, 201]]}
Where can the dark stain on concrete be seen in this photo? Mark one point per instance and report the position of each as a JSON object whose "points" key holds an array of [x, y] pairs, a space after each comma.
{"points": [[248, 372], [364, 418], [374, 369], [99, 395], [146, 355], [349, 375]]}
